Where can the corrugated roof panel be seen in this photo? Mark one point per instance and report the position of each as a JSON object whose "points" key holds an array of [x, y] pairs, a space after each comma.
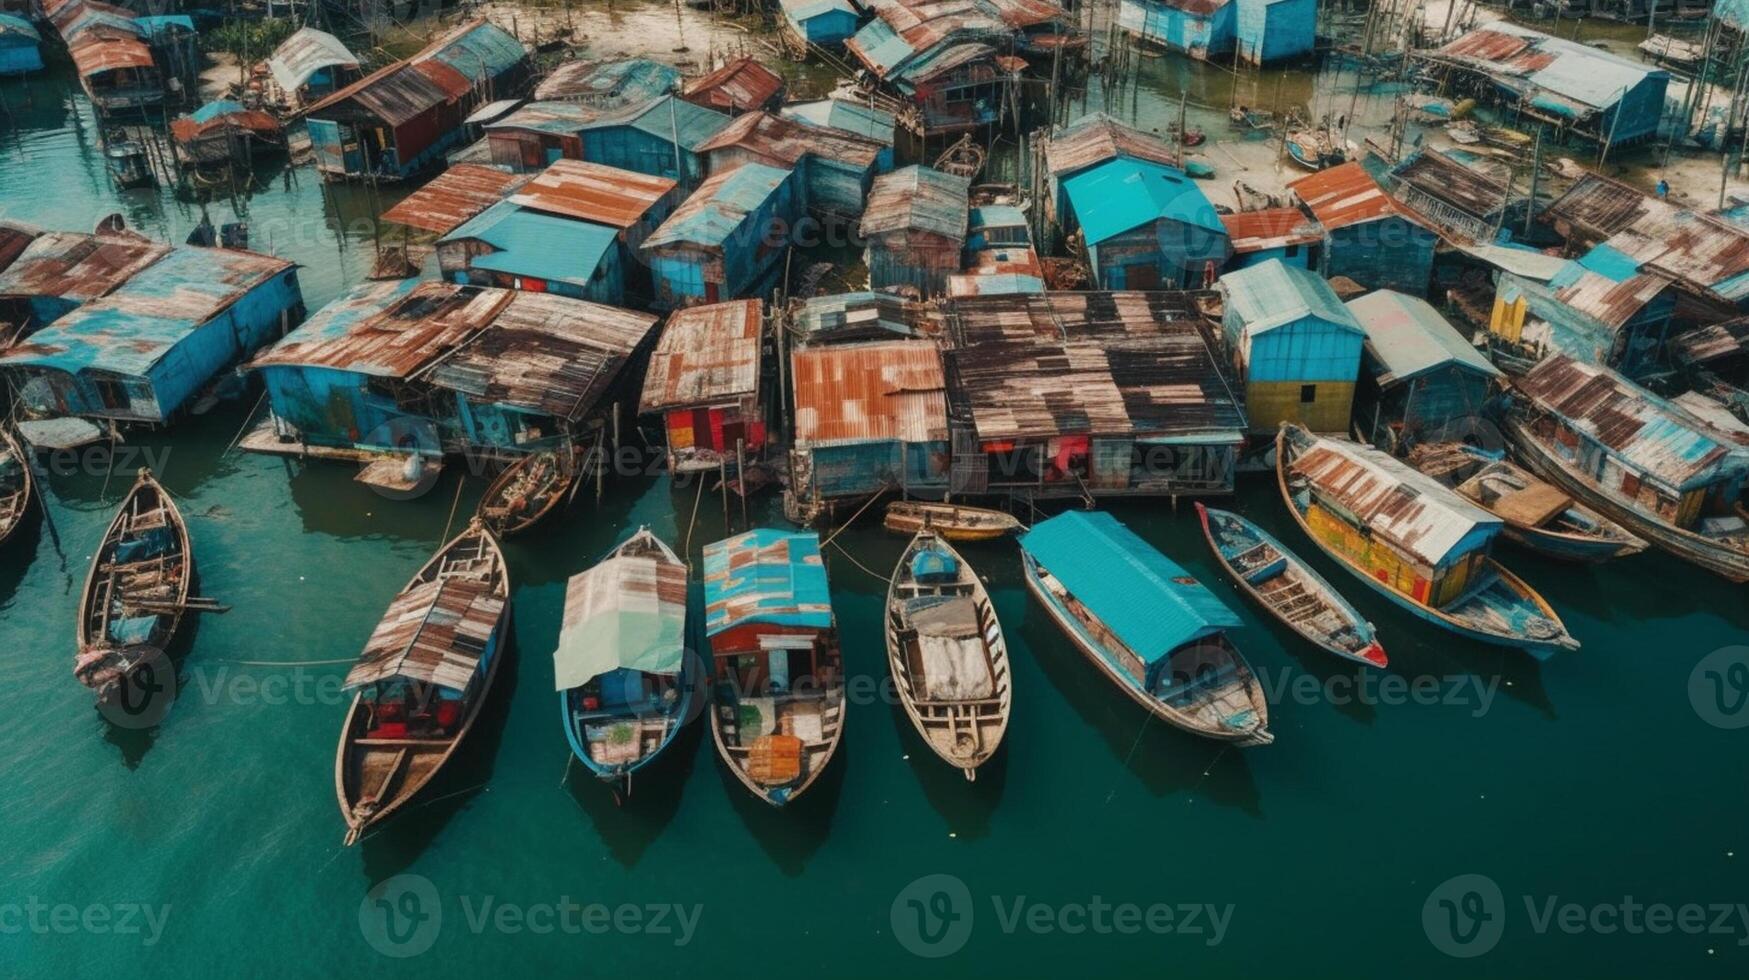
{"points": [[305, 53], [1113, 197], [847, 116], [719, 206], [1343, 195], [1147, 599], [1271, 294], [1411, 510], [707, 355], [453, 197], [890, 391], [1096, 138], [1258, 231], [610, 84], [918, 198], [594, 192], [786, 141], [1408, 337], [768, 577], [741, 85], [76, 266], [537, 244]]}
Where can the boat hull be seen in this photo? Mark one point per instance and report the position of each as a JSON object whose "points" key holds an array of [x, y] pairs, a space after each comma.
{"points": [[1090, 649], [1568, 547], [1690, 547], [620, 777]]}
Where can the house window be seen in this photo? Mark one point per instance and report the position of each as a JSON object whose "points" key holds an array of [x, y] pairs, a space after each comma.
{"points": [[1308, 394], [1291, 251]]}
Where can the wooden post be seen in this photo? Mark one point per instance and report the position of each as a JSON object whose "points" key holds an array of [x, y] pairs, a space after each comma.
{"points": [[1536, 171], [741, 475]]}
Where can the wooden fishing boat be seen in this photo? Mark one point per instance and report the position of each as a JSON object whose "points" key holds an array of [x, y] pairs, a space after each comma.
{"points": [[955, 522], [1539, 516], [17, 483], [1151, 629], [422, 678], [125, 159], [947, 654], [963, 159], [136, 591], [1412, 541], [1313, 149], [528, 490], [1276, 579], [779, 695], [626, 685]]}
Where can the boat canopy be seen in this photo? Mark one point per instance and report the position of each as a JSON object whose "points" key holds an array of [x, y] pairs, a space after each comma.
{"points": [[768, 577], [628, 611], [434, 632], [1151, 603]]}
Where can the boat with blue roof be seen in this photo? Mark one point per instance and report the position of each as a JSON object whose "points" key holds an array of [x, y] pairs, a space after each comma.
{"points": [[1412, 540], [1284, 585], [778, 711], [1147, 624], [947, 654], [626, 684]]}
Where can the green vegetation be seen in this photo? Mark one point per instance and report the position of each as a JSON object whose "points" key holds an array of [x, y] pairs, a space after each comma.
{"points": [[250, 40]]}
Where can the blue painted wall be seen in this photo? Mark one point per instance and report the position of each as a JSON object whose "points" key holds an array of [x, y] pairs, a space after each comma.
{"points": [[1160, 23], [1275, 30]]}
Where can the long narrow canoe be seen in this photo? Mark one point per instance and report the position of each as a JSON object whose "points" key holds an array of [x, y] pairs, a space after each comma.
{"points": [[422, 678], [136, 591], [947, 654], [1154, 631], [955, 522], [626, 684], [17, 483], [1288, 589], [1497, 607], [528, 490]]}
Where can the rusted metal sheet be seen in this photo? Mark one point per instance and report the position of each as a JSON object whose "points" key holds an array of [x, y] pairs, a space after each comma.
{"points": [[454, 197], [77, 267], [1039, 365], [1608, 301], [781, 142], [1394, 501], [1705, 253], [1258, 231], [1438, 176], [742, 85], [433, 632], [221, 117], [918, 199], [1712, 343], [1486, 45], [608, 85], [96, 57], [708, 355], [1598, 207], [385, 330], [1343, 195], [1096, 138], [593, 192], [889, 391], [1651, 434], [444, 71], [15, 237], [544, 353]]}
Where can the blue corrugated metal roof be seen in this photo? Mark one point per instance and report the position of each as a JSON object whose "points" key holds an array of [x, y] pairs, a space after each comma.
{"points": [[1151, 603], [485, 50], [1120, 194], [347, 313], [801, 11], [880, 45], [165, 23], [1733, 12], [671, 114], [1608, 261], [766, 576], [852, 117], [212, 110], [1273, 293], [719, 206], [533, 243]]}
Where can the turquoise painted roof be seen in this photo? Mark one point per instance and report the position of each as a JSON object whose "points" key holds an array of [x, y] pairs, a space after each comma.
{"points": [[880, 45], [12, 24], [212, 110], [536, 244], [1113, 197], [1271, 294], [718, 207], [486, 50], [694, 123], [1151, 603], [851, 117], [163, 23], [802, 10], [766, 576]]}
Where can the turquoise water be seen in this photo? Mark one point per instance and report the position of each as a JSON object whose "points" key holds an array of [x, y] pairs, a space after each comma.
{"points": [[1585, 780]]}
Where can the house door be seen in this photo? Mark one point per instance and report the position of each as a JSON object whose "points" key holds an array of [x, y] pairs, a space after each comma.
{"points": [[1144, 275]]}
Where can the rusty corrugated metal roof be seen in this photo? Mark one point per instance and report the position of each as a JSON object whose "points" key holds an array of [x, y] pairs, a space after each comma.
{"points": [[15, 237], [741, 85], [1655, 436], [1257, 231], [454, 197], [889, 391], [1344, 195], [76, 266], [98, 56], [707, 355], [1041, 365], [390, 330], [543, 353], [399, 92], [1393, 500], [783, 142], [1598, 206], [918, 198], [1096, 138], [1702, 251], [593, 192]]}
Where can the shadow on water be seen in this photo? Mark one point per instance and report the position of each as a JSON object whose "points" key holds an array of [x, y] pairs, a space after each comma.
{"points": [[1165, 760], [393, 847], [574, 538], [966, 805], [789, 834], [628, 828], [133, 732], [19, 550]]}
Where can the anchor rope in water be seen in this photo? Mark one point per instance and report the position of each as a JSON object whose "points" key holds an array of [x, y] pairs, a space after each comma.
{"points": [[246, 420], [852, 559], [686, 549], [1147, 717], [454, 504], [865, 506]]}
